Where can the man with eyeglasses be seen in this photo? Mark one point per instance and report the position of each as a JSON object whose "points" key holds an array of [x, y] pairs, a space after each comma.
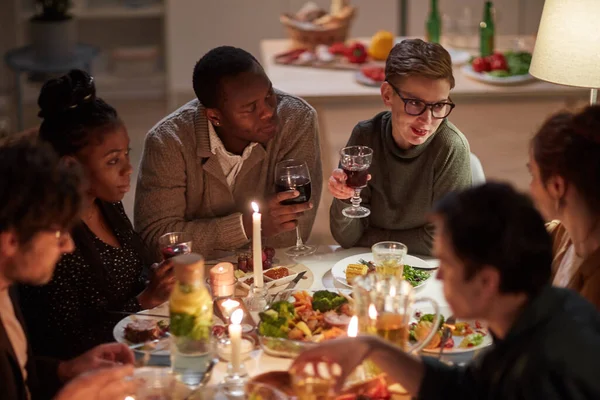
{"points": [[418, 154], [40, 199]]}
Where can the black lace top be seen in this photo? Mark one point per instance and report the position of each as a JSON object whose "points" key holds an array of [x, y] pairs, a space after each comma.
{"points": [[74, 312]]}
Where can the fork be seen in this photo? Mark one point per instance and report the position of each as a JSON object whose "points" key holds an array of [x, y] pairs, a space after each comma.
{"points": [[446, 334], [151, 347], [369, 264]]}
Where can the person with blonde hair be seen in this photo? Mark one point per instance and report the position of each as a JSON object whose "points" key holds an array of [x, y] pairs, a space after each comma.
{"points": [[418, 154]]}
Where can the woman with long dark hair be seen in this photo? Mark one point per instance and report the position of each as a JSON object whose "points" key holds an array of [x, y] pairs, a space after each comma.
{"points": [[565, 168], [108, 270]]}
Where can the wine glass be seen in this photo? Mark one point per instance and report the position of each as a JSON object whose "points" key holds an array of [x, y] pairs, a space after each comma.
{"points": [[294, 175], [355, 161], [175, 243]]}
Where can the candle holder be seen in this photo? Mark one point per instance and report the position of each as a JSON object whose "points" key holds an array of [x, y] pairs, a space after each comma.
{"points": [[235, 381], [257, 301]]}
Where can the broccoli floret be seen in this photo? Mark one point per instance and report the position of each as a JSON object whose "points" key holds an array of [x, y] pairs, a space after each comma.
{"points": [[273, 327], [324, 300], [431, 318], [284, 309]]}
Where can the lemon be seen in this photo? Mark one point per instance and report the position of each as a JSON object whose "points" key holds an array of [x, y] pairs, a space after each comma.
{"points": [[381, 45], [186, 301]]}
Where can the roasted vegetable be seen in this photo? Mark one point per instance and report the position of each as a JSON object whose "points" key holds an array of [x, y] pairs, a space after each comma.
{"points": [[273, 327], [431, 318], [324, 300], [284, 309]]}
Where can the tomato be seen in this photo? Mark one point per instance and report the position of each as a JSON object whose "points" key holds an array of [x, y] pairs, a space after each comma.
{"points": [[449, 343], [481, 64], [498, 62], [338, 49], [375, 73]]}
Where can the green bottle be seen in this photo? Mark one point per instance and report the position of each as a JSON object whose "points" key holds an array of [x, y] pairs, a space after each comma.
{"points": [[487, 31], [434, 23]]}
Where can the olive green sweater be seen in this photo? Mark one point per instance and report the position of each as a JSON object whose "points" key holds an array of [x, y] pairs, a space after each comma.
{"points": [[404, 186]]}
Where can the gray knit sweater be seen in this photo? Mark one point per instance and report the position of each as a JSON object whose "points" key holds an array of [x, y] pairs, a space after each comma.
{"points": [[181, 185], [404, 185]]}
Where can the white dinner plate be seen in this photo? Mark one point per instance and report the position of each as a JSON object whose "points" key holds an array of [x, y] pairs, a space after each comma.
{"points": [[339, 269], [446, 312], [496, 80], [118, 330], [458, 57]]}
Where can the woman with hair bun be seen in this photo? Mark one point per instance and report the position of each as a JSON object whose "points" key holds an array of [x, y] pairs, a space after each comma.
{"points": [[107, 272], [565, 167]]}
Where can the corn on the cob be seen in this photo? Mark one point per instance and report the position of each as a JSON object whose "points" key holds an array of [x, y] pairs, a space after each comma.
{"points": [[354, 270]]}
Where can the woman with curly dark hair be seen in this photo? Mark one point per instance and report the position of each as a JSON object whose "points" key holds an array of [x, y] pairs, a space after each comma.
{"points": [[107, 272]]}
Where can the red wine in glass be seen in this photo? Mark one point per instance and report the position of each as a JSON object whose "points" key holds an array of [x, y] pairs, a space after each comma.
{"points": [[176, 250], [299, 183], [355, 161], [356, 178], [294, 175]]}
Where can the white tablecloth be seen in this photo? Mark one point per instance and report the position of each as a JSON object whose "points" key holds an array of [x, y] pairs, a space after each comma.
{"points": [[321, 263]]}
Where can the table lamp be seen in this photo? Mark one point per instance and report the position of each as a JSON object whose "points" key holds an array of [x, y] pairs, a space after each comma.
{"points": [[567, 47]]}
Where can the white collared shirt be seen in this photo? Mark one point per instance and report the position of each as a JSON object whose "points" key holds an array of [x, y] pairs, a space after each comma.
{"points": [[230, 163]]}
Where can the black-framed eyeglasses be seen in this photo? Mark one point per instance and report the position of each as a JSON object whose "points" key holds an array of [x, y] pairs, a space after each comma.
{"points": [[416, 107]]}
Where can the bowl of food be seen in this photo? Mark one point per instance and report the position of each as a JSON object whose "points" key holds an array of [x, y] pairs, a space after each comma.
{"points": [[224, 348], [302, 320]]}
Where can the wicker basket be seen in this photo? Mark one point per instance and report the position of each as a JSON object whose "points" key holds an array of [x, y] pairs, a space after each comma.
{"points": [[309, 36]]}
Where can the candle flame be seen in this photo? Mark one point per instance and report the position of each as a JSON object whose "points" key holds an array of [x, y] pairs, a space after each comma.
{"points": [[372, 312], [353, 327], [237, 316], [255, 207], [230, 303]]}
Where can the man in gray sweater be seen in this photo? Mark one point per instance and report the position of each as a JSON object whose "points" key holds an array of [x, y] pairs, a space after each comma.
{"points": [[418, 155], [206, 162]]}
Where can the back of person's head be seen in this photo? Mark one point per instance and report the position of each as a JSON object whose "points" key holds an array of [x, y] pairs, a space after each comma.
{"points": [[73, 117], [414, 57], [218, 63], [568, 145], [37, 191], [494, 225]]}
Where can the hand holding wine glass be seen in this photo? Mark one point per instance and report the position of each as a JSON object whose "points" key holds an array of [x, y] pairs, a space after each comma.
{"points": [[338, 187], [293, 175], [355, 161], [279, 217]]}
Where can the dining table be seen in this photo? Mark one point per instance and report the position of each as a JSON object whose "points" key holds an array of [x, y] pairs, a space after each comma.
{"points": [[320, 264]]}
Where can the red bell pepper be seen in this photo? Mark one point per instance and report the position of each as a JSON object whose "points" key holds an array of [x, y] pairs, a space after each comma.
{"points": [[357, 53]]}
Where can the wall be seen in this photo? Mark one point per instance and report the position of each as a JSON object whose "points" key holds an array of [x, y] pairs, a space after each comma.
{"points": [[8, 40], [195, 26]]}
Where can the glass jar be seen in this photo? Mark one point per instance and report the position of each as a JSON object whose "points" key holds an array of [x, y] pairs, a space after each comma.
{"points": [[191, 310]]}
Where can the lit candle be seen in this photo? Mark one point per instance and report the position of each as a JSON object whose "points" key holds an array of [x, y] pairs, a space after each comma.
{"points": [[372, 328], [222, 280], [228, 306], [235, 336], [257, 247], [353, 327], [359, 372]]}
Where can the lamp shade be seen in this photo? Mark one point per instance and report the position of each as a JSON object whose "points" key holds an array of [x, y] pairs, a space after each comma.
{"points": [[567, 47]]}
